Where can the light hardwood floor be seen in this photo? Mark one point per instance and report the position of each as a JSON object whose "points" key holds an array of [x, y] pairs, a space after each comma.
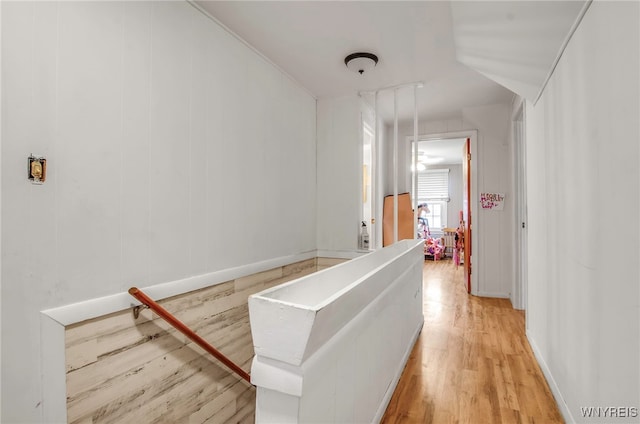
{"points": [[472, 362]]}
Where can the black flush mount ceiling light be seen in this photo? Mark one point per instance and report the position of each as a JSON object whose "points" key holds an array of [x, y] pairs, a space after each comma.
{"points": [[361, 62]]}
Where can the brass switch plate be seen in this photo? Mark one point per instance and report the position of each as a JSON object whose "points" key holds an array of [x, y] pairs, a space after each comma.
{"points": [[37, 170]]}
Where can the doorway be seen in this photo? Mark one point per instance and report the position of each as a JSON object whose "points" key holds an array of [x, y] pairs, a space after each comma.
{"points": [[369, 185], [428, 156], [438, 168]]}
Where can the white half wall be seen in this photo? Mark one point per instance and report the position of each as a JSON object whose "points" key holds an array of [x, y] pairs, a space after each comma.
{"points": [[583, 312], [330, 347], [174, 150]]}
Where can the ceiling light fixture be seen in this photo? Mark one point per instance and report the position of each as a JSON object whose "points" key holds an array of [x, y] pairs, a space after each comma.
{"points": [[361, 62], [433, 159], [421, 167]]}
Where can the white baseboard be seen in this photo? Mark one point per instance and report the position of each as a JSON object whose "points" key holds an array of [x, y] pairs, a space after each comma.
{"points": [[92, 308], [490, 294], [562, 405], [341, 254]]}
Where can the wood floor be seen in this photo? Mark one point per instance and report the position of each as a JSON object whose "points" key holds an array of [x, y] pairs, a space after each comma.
{"points": [[472, 362]]}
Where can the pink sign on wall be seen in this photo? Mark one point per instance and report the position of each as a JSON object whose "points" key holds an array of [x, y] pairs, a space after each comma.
{"points": [[493, 201]]}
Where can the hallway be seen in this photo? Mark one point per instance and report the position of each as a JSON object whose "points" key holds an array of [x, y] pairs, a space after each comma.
{"points": [[472, 362]]}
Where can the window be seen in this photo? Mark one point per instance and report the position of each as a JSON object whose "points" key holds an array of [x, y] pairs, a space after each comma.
{"points": [[433, 189], [437, 216], [433, 184]]}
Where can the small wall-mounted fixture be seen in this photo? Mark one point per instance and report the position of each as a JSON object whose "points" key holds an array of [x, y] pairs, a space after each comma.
{"points": [[361, 62], [137, 309], [37, 171]]}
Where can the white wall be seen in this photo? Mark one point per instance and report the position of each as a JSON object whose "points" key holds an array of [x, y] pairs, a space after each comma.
{"points": [[339, 173], [1, 220], [494, 230], [173, 150], [583, 313], [382, 173]]}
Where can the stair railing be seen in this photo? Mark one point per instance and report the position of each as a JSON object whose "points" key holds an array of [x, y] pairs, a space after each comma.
{"points": [[180, 326]]}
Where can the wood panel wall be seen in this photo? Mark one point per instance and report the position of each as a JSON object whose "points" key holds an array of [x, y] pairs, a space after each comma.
{"points": [[121, 369]]}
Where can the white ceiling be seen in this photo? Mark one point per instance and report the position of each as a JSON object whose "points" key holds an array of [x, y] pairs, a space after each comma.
{"points": [[450, 150], [415, 41], [514, 43]]}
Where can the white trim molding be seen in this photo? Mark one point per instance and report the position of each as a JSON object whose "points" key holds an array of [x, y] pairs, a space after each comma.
{"points": [[555, 390]]}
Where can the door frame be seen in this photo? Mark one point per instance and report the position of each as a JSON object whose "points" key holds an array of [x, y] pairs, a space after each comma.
{"points": [[476, 229], [520, 282], [371, 221], [374, 226]]}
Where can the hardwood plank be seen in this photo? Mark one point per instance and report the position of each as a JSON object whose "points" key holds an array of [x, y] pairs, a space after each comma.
{"points": [[324, 263], [301, 267], [156, 339], [251, 280], [245, 408], [472, 362], [121, 369], [209, 409]]}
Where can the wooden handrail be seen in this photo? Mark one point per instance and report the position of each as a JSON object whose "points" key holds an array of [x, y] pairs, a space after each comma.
{"points": [[180, 326]]}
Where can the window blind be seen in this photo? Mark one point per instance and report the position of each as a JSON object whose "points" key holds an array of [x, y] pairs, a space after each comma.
{"points": [[433, 184]]}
